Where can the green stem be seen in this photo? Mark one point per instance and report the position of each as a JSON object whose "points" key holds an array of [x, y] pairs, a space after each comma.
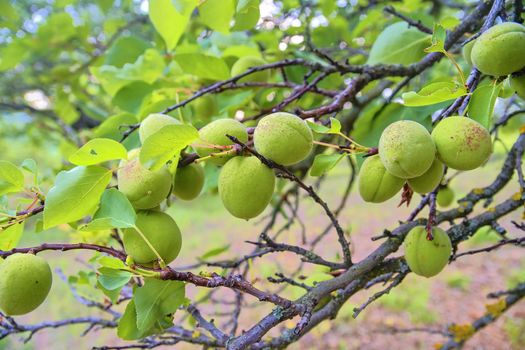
{"points": [[161, 261], [217, 155]]}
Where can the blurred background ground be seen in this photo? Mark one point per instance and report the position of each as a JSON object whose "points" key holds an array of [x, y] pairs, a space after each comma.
{"points": [[457, 295]]}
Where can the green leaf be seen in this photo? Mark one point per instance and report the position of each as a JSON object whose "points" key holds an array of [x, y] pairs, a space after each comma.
{"points": [[169, 22], [318, 128], [126, 49], [165, 144], [75, 194], [324, 163], [130, 97], [10, 237], [112, 294], [434, 93], [11, 178], [214, 252], [12, 55], [98, 151], [147, 68], [127, 326], [112, 279], [217, 14], [115, 211], [111, 262], [482, 102], [156, 299], [247, 15], [398, 44], [438, 39], [203, 66], [29, 164], [335, 127]]}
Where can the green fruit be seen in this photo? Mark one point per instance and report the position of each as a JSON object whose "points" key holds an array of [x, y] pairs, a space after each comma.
{"points": [[462, 143], [518, 84], [406, 149], [427, 258], [25, 281], [484, 235], [246, 186], [376, 184], [162, 233], [144, 188], [429, 180], [445, 197], [205, 107], [215, 134], [500, 50], [466, 51], [245, 63], [188, 182], [283, 137], [153, 123]]}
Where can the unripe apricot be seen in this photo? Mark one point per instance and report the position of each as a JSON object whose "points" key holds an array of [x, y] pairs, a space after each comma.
{"points": [[406, 149], [205, 107], [215, 134], [25, 281], [500, 50], [162, 233], [427, 258], [462, 143], [429, 180], [246, 186], [466, 51], [188, 182], [445, 197], [283, 137], [376, 184], [153, 123], [245, 63], [518, 84], [144, 188]]}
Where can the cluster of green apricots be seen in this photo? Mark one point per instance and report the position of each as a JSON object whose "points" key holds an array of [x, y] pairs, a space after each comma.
{"points": [[408, 153], [458, 142]]}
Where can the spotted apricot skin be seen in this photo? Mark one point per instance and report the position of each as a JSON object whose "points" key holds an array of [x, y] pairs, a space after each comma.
{"points": [[247, 62], [376, 184], [500, 50], [406, 149], [283, 137], [25, 282], [426, 257], [518, 84], [462, 143], [246, 186], [215, 133], [429, 180]]}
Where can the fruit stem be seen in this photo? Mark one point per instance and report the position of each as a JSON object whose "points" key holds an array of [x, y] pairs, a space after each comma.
{"points": [[216, 155], [458, 68], [161, 261], [353, 148]]}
